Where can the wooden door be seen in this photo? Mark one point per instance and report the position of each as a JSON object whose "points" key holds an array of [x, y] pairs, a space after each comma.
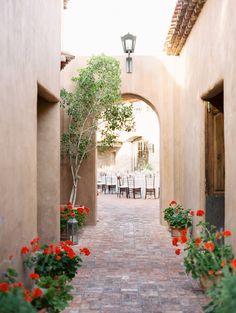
{"points": [[215, 161]]}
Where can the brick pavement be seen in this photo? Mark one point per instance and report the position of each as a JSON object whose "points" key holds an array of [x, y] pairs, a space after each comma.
{"points": [[132, 267]]}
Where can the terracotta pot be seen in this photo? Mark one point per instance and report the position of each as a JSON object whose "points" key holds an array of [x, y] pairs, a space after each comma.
{"points": [[207, 282], [42, 311], [176, 232]]}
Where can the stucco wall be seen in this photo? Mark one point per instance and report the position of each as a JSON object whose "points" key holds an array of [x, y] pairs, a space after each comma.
{"points": [[152, 82], [30, 52], [208, 56]]}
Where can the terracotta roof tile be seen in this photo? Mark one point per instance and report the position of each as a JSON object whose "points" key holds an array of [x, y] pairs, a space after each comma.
{"points": [[184, 17]]}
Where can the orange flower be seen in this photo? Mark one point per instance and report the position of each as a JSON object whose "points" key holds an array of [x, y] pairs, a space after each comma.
{"points": [[4, 287], [24, 250], [218, 235], [178, 251], [173, 202], [222, 264], [226, 233], [211, 272], [209, 246]]}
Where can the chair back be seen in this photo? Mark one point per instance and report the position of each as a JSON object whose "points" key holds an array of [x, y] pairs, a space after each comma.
{"points": [[150, 181], [131, 181]]}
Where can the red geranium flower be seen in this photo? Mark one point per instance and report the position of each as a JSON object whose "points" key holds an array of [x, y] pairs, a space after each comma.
{"points": [[27, 296], [37, 293], [87, 210], [18, 284], [178, 251], [209, 246], [46, 251], [191, 213], [184, 231], [222, 264], [173, 202], [24, 250], [69, 242], [35, 248], [34, 276], [175, 241], [71, 254], [233, 263], [200, 212], [226, 233], [70, 206], [197, 241], [4, 287], [183, 238], [72, 214], [218, 235], [80, 210], [58, 257], [85, 251]]}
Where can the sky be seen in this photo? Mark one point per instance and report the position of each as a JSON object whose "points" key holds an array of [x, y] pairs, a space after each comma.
{"points": [[95, 26]]}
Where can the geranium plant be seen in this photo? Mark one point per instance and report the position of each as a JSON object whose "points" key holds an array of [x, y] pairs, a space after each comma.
{"points": [[68, 212], [223, 294], [177, 216], [54, 260], [208, 253]]}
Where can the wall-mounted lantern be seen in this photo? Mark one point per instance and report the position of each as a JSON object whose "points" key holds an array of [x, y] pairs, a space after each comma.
{"points": [[128, 42]]}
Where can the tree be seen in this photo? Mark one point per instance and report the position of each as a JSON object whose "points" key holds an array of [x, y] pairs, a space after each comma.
{"points": [[94, 105]]}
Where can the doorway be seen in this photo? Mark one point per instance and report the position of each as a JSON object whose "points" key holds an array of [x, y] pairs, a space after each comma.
{"points": [[215, 160]]}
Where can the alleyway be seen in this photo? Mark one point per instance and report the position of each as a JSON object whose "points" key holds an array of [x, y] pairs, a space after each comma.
{"points": [[132, 267]]}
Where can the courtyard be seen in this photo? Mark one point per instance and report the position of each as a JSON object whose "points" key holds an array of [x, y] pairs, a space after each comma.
{"points": [[133, 267]]}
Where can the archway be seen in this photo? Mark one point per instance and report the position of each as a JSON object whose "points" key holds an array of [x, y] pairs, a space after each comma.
{"points": [[135, 154]]}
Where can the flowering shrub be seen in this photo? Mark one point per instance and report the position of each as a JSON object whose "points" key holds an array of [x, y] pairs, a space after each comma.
{"points": [[223, 294], [56, 294], [207, 254], [177, 216], [68, 212], [53, 260], [14, 297]]}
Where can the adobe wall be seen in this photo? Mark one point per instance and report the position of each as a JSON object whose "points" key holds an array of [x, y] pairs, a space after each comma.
{"points": [[151, 81], [30, 53], [208, 56]]}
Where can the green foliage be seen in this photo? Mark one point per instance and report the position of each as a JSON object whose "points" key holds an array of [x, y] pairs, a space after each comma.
{"points": [[223, 295], [66, 213], [177, 216], [202, 261], [169, 212], [14, 302], [94, 105], [47, 263], [56, 294]]}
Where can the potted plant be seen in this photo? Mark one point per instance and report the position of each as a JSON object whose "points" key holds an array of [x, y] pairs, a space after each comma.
{"points": [[207, 254], [178, 218], [67, 212], [223, 294]]}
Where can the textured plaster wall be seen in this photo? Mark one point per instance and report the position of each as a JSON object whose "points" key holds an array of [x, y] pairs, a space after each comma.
{"points": [[30, 52], [208, 56], [152, 82]]}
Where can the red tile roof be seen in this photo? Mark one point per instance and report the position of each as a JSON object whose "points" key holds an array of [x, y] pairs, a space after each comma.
{"points": [[185, 15]]}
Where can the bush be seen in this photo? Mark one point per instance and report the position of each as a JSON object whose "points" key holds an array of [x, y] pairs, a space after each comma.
{"points": [[68, 212]]}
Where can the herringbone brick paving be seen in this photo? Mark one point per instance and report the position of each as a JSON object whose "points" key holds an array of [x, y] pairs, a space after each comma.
{"points": [[132, 267]]}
